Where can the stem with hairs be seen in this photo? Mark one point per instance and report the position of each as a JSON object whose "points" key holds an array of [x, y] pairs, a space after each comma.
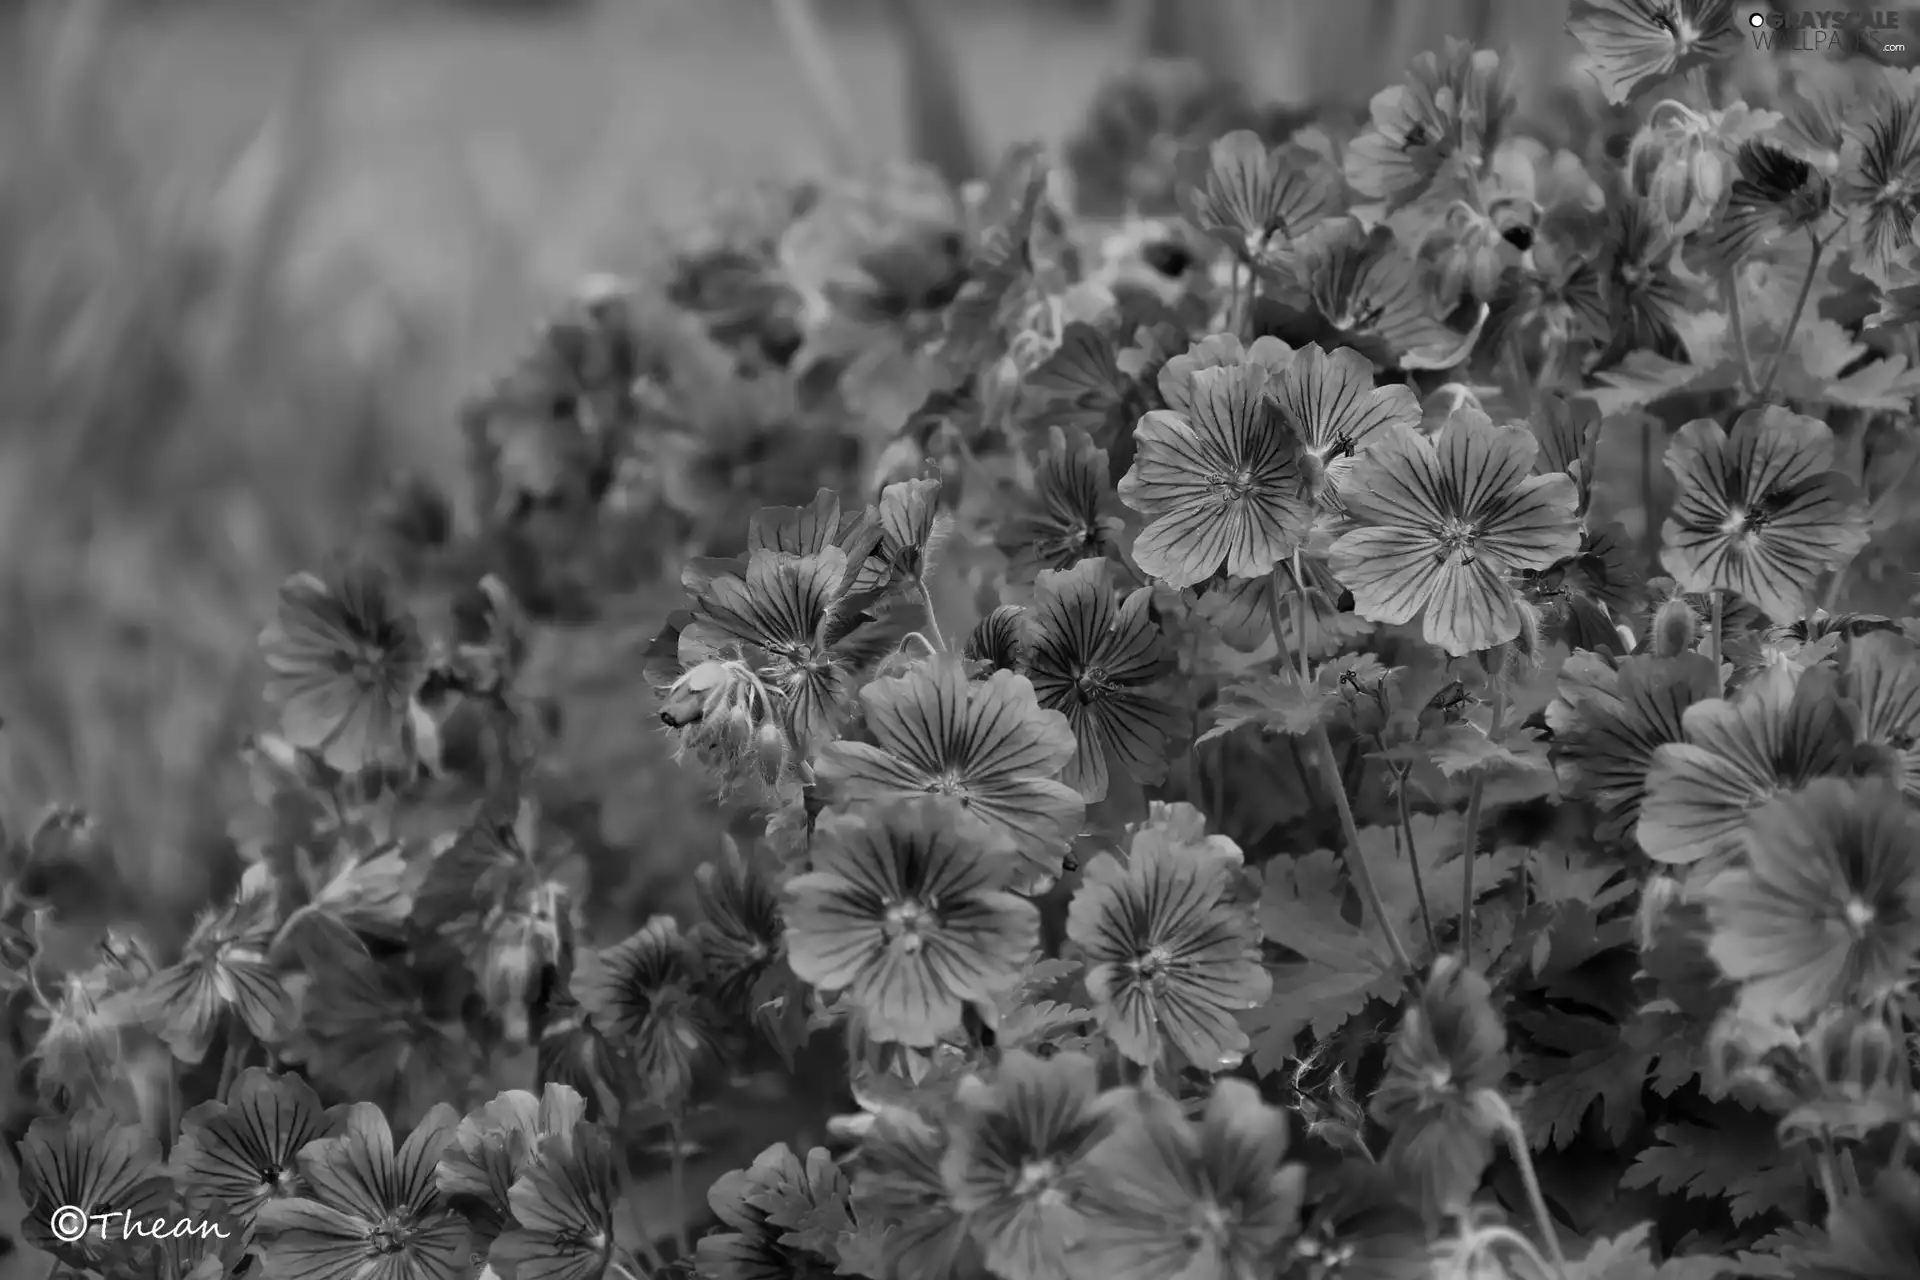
{"points": [[1793, 319], [1530, 1178], [1321, 747], [1715, 621], [1469, 835], [1413, 859]]}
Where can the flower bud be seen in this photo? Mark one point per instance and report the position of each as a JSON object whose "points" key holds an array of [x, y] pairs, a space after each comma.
{"points": [[1854, 1055], [770, 752], [1676, 628]]}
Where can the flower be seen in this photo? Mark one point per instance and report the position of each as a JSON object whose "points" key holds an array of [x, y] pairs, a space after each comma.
{"points": [[900, 1186], [1217, 351], [1869, 1235], [909, 528], [242, 1152], [1171, 952], [89, 1161], [1879, 182], [998, 642], [1363, 1229], [497, 1143], [1882, 678], [1016, 1160], [907, 910], [1330, 402], [990, 745], [1608, 721], [1067, 519], [371, 1210], [1643, 294], [1434, 130], [1366, 292], [562, 1206], [1441, 1094], [1092, 661], [344, 660], [1221, 485], [1208, 1201], [1636, 43], [645, 992], [1446, 523], [1758, 512], [223, 969], [1825, 911], [1777, 734], [1775, 192], [740, 938], [1245, 195]]}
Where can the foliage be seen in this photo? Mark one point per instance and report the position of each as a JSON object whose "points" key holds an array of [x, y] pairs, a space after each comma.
{"points": [[1209, 767]]}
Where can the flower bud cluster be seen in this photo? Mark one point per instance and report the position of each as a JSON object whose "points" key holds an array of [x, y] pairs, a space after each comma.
{"points": [[722, 715]]}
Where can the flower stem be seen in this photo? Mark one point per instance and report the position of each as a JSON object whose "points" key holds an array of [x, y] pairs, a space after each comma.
{"points": [[235, 1054], [933, 620], [1301, 616], [1716, 617], [1730, 290], [1413, 862], [1321, 748], [1530, 1179], [1793, 319], [644, 1242], [678, 1166], [1469, 834]]}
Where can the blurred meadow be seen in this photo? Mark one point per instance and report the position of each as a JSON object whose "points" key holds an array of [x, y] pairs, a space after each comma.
{"points": [[253, 255]]}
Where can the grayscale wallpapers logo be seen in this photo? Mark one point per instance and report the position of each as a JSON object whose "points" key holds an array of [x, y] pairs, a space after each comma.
{"points": [[1831, 31]]}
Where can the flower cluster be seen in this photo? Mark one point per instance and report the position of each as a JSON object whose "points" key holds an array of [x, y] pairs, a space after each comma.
{"points": [[1234, 754]]}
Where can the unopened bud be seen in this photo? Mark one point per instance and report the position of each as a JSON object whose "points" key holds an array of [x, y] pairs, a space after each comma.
{"points": [[770, 752], [1854, 1054], [691, 697], [1676, 628]]}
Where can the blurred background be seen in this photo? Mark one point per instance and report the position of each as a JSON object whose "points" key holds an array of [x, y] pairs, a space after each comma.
{"points": [[254, 254]]}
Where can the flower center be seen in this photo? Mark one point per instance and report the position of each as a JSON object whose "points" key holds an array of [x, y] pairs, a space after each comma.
{"points": [[1208, 1226], [906, 924], [950, 783], [1153, 966], [1233, 486], [387, 1236], [1036, 1179], [1090, 685], [1459, 540], [1858, 915]]}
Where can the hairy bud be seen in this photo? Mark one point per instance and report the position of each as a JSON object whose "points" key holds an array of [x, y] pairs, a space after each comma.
{"points": [[1676, 628]]}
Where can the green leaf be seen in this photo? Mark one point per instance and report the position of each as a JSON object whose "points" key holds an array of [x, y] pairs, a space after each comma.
{"points": [[1629, 1256], [1748, 1169], [1273, 701]]}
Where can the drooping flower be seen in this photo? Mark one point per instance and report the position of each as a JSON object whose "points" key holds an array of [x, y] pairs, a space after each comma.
{"points": [[371, 1210], [1016, 1160], [1252, 198], [563, 1205], [1433, 131], [907, 910], [645, 993], [344, 660], [242, 1152], [1068, 517], [1882, 678], [1212, 1200], [1759, 512], [1825, 911], [1637, 43], [1219, 486], [1329, 400], [1444, 526], [1879, 181], [909, 526], [1440, 1096], [990, 746], [223, 970], [1094, 660], [1362, 1228], [901, 1187], [1608, 721], [1774, 193], [1171, 952], [1777, 734], [495, 1144], [88, 1162]]}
